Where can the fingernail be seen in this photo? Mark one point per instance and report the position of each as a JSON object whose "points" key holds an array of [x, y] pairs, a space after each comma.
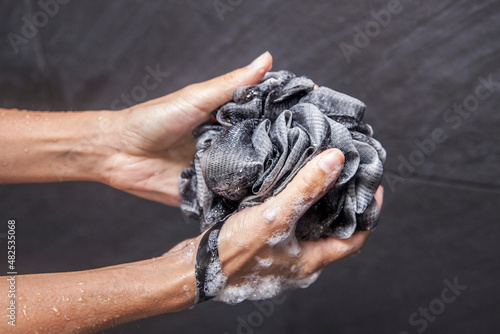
{"points": [[258, 62], [331, 161]]}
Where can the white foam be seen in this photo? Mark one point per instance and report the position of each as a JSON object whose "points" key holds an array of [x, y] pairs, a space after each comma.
{"points": [[254, 288], [264, 263], [186, 291], [292, 247], [258, 288], [215, 278], [269, 215], [278, 238], [306, 282]]}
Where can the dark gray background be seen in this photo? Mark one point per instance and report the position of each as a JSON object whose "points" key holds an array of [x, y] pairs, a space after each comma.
{"points": [[440, 223]]}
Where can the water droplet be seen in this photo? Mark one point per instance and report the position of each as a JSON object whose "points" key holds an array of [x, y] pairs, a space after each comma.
{"points": [[99, 118], [39, 299], [27, 116], [25, 150], [82, 300], [56, 311], [25, 314], [3, 114], [37, 118], [67, 318]]}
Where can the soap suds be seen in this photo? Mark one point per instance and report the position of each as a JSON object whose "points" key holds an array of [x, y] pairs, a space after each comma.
{"points": [[215, 278], [258, 288], [269, 215], [278, 238], [292, 247], [264, 263]]}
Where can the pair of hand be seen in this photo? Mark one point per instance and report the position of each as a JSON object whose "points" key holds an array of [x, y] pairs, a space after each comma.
{"points": [[155, 143], [142, 150]]}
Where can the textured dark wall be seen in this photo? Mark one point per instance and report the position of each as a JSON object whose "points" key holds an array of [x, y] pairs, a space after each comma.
{"points": [[440, 220]]}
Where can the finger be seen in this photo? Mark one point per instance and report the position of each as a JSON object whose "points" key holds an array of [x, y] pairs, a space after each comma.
{"points": [[379, 196], [309, 185], [202, 98], [320, 253]]}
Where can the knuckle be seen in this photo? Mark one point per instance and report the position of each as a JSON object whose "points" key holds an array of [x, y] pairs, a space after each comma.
{"points": [[307, 269], [229, 78], [358, 245], [354, 246], [274, 215], [308, 183], [191, 92]]}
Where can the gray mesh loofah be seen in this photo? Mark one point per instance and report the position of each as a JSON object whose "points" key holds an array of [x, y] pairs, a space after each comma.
{"points": [[262, 139]]}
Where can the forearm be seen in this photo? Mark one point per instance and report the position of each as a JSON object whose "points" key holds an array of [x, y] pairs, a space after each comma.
{"points": [[54, 146], [90, 301]]}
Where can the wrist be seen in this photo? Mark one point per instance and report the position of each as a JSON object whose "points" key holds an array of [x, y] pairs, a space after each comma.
{"points": [[55, 146], [84, 154], [98, 146]]}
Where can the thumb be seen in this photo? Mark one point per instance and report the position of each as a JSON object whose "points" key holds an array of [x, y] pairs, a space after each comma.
{"points": [[320, 253], [198, 100], [308, 186]]}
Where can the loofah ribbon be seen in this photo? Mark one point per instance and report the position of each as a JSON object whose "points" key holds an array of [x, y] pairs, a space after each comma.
{"points": [[261, 140]]}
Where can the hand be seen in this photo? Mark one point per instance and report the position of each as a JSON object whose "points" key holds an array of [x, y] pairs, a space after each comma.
{"points": [[154, 139], [259, 242]]}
